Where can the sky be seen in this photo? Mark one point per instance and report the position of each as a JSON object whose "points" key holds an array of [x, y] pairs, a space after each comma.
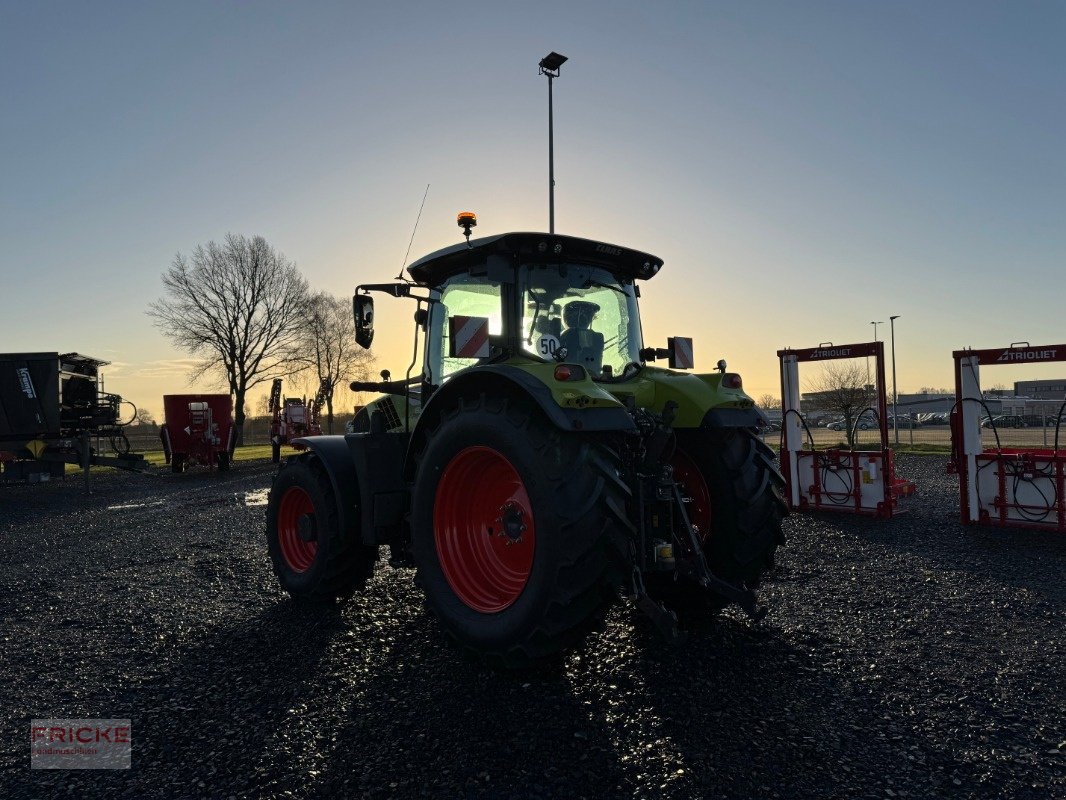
{"points": [[802, 168]]}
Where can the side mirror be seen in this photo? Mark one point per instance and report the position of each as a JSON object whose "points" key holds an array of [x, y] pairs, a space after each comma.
{"points": [[363, 311]]}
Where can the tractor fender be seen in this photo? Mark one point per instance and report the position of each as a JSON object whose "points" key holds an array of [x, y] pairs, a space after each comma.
{"points": [[505, 379], [732, 418], [332, 452]]}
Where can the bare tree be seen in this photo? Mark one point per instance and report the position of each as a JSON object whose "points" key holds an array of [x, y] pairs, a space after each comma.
{"points": [[842, 389], [144, 417], [329, 347], [238, 306], [262, 406], [769, 402]]}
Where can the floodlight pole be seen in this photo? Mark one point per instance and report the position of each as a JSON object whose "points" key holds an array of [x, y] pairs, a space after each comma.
{"points": [[895, 397], [549, 65], [551, 159]]}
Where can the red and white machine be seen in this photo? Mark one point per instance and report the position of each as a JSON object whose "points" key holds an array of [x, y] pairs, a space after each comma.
{"points": [[293, 418], [1008, 486], [849, 481], [198, 429]]}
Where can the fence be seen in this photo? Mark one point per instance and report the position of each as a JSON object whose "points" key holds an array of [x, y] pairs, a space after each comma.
{"points": [[1028, 431]]}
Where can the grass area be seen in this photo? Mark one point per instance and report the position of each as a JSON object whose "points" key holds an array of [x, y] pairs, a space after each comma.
{"points": [[920, 448], [252, 452], [257, 452], [923, 447], [156, 458]]}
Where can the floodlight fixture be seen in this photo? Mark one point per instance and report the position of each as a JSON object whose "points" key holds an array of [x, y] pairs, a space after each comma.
{"points": [[550, 64]]}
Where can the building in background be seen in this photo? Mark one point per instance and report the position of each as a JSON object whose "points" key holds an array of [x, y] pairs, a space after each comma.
{"points": [[1054, 389]]}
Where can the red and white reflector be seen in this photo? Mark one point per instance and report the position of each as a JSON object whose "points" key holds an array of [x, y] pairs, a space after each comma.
{"points": [[469, 337], [680, 348]]}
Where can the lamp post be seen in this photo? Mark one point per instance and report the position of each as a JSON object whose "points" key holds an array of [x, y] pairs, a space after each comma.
{"points": [[895, 397], [549, 65]]}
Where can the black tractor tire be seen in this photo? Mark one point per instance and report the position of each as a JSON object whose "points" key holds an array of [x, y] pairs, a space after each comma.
{"points": [[747, 505], [177, 462], [338, 564], [223, 461], [275, 452], [575, 503]]}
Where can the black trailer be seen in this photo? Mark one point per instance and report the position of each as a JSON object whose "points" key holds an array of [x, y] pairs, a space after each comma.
{"points": [[52, 410]]}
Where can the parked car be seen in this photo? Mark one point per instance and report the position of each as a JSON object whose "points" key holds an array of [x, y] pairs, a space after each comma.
{"points": [[931, 418], [864, 425], [1004, 421], [905, 421]]}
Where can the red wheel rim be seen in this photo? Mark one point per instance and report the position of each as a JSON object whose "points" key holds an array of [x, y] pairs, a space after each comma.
{"points": [[298, 554], [478, 516], [688, 475]]}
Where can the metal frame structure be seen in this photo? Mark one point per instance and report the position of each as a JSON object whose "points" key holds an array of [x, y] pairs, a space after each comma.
{"points": [[867, 480], [1007, 487]]}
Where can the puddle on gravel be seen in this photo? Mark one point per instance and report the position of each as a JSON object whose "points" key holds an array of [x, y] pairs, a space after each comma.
{"points": [[128, 506], [256, 498]]}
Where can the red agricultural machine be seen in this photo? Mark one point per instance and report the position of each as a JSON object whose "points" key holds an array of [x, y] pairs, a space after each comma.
{"points": [[198, 429], [1019, 487], [293, 418], [854, 480]]}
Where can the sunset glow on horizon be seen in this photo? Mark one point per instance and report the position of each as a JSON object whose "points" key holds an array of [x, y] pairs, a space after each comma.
{"points": [[802, 169]]}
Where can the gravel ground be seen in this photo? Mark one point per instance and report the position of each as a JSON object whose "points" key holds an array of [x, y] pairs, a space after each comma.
{"points": [[909, 658]]}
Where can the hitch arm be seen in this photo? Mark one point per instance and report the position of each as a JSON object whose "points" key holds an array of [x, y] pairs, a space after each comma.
{"points": [[741, 595]]}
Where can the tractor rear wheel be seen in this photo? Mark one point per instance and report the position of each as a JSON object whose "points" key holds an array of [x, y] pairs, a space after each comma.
{"points": [[312, 557], [519, 530], [735, 501]]}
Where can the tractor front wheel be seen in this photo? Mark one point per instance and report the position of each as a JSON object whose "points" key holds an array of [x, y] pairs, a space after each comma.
{"points": [[312, 556], [519, 530]]}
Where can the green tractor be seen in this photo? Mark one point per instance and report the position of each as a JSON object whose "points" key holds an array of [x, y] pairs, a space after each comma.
{"points": [[539, 465]]}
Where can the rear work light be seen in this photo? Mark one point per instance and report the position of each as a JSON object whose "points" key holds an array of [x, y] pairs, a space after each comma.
{"points": [[731, 380]]}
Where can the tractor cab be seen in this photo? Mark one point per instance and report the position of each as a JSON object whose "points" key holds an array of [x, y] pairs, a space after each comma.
{"points": [[543, 310], [531, 296], [563, 312]]}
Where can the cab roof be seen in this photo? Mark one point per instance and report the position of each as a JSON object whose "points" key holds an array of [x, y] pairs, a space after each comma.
{"points": [[624, 262]]}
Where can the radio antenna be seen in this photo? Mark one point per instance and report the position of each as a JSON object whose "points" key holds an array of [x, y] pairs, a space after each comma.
{"points": [[413, 232]]}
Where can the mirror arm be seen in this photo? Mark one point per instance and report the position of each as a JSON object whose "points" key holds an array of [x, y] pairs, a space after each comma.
{"points": [[382, 387]]}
